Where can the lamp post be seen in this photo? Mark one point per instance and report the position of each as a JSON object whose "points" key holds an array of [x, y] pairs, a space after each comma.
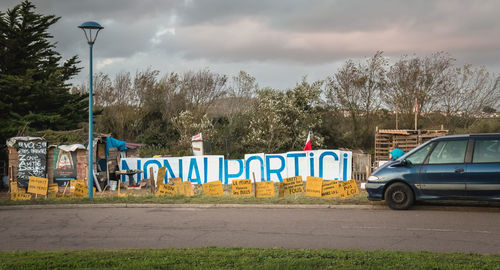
{"points": [[87, 28]]}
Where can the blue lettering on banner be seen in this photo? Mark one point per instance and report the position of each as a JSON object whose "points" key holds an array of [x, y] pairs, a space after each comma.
{"points": [[169, 170], [247, 175], [228, 175], [194, 166], [221, 162], [276, 171], [322, 156], [205, 169], [145, 169], [311, 164], [345, 167], [296, 160], [273, 168], [124, 167]]}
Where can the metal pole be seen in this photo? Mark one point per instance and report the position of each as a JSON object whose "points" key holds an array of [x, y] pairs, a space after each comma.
{"points": [[91, 139]]}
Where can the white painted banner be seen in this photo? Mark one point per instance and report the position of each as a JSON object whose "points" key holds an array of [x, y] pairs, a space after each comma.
{"points": [[328, 164]]}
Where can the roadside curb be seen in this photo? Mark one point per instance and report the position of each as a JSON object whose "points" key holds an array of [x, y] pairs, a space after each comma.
{"points": [[243, 206], [146, 205]]}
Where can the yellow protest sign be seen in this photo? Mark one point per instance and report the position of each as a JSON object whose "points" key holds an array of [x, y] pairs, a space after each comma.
{"points": [[213, 188], [160, 176], [74, 183], [14, 188], [330, 189], [165, 189], [293, 185], [314, 186], [82, 190], [264, 189], [174, 180], [20, 196], [241, 188], [184, 188], [349, 188], [53, 190], [38, 185]]}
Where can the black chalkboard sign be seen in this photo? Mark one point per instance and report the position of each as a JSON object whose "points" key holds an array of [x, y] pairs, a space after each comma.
{"points": [[32, 157]]}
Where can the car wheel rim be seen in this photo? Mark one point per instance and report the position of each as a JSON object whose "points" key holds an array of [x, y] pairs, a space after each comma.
{"points": [[398, 196]]}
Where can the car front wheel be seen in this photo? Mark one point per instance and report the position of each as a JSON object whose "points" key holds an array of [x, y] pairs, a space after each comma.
{"points": [[399, 196]]}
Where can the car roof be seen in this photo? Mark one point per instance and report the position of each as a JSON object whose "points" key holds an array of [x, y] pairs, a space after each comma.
{"points": [[461, 136]]}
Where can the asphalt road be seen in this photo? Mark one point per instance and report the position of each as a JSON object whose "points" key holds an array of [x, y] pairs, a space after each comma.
{"points": [[117, 228]]}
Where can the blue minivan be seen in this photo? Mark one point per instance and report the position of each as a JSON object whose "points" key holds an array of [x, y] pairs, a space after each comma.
{"points": [[457, 167]]}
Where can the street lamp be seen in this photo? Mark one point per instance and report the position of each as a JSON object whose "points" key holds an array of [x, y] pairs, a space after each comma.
{"points": [[87, 28]]}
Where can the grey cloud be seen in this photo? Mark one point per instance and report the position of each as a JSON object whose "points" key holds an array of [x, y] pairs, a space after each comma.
{"points": [[275, 34]]}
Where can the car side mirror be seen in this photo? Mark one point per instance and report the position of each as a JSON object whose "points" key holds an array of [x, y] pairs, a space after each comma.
{"points": [[402, 163]]}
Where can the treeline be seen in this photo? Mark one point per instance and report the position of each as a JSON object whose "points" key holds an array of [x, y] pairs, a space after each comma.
{"points": [[237, 117]]}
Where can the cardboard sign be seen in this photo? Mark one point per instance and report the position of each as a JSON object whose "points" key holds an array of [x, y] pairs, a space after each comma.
{"points": [[264, 189], [74, 183], [242, 188], [349, 188], [81, 191], [14, 188], [53, 190], [314, 186], [213, 188], [184, 188], [38, 185], [19, 196], [160, 176], [293, 185], [174, 180], [165, 189], [330, 189]]}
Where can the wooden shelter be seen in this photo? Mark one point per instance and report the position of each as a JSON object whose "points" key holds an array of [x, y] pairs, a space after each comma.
{"points": [[405, 139]]}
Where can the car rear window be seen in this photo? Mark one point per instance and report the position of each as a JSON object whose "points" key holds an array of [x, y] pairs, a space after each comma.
{"points": [[486, 151]]}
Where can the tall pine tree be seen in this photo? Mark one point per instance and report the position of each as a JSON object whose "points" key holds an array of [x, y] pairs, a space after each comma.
{"points": [[34, 93]]}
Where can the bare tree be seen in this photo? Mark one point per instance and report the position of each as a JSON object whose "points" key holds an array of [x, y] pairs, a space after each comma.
{"points": [[102, 88], [417, 78], [122, 89], [467, 92], [144, 83], [355, 89], [202, 88]]}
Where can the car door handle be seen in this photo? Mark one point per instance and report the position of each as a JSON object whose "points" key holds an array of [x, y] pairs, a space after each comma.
{"points": [[459, 170]]}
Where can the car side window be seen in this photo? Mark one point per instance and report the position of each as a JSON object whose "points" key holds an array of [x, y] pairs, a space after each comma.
{"points": [[448, 152], [419, 156], [486, 151]]}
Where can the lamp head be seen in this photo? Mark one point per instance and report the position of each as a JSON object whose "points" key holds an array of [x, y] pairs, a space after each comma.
{"points": [[87, 28]]}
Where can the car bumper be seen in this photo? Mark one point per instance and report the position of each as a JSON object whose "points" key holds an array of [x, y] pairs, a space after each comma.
{"points": [[375, 191]]}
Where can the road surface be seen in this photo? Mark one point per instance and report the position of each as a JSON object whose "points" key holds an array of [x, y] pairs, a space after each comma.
{"points": [[118, 228]]}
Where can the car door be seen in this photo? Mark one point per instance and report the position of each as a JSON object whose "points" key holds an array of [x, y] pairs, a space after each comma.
{"points": [[443, 173], [483, 173]]}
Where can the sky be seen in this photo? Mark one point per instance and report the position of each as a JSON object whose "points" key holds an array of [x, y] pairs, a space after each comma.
{"points": [[276, 41]]}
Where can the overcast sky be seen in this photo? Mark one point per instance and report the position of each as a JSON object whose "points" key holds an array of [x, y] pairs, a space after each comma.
{"points": [[277, 42]]}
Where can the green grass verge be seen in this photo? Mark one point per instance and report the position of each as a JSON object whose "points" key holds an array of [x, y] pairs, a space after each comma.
{"points": [[244, 258], [360, 198]]}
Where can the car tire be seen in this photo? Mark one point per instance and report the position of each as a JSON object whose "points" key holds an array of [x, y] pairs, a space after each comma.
{"points": [[399, 196]]}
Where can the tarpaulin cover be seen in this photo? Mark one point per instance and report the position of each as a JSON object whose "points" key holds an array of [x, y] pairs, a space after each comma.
{"points": [[112, 143]]}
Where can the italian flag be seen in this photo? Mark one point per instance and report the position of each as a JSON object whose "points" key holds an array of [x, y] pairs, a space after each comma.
{"points": [[307, 147]]}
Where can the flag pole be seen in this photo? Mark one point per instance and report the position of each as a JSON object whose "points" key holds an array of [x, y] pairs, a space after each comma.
{"points": [[416, 113], [397, 109]]}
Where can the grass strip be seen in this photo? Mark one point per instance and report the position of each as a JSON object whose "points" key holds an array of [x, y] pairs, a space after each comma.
{"points": [[244, 258], [360, 198]]}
